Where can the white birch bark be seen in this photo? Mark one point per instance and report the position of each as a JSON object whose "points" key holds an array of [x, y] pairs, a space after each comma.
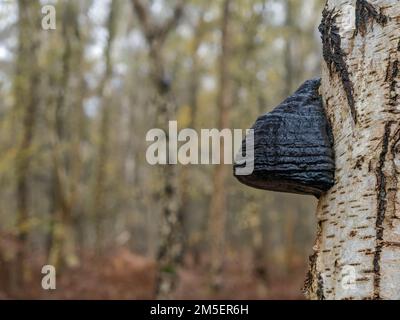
{"points": [[357, 250]]}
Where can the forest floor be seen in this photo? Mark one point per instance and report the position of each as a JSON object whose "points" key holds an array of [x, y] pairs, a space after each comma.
{"points": [[126, 275]]}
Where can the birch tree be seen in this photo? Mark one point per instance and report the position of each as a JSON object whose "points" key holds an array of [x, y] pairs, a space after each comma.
{"points": [[357, 250], [170, 249]]}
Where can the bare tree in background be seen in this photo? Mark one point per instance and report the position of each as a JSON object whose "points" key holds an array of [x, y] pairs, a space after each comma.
{"points": [[218, 209], [26, 86], [170, 249], [194, 86], [66, 153], [291, 30], [104, 90]]}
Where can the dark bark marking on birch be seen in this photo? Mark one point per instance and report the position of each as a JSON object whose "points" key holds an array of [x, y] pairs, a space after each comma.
{"points": [[359, 162], [320, 288], [329, 129], [391, 76], [335, 57], [382, 205], [312, 272], [314, 279], [395, 151], [312, 260], [364, 13]]}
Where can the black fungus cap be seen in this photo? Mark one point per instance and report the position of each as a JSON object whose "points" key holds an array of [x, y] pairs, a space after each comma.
{"points": [[293, 146]]}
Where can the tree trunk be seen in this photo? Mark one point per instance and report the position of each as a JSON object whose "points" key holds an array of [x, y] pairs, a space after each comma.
{"points": [[290, 78], [289, 69], [62, 250], [26, 88], [357, 250], [185, 175], [218, 208], [98, 201], [170, 249]]}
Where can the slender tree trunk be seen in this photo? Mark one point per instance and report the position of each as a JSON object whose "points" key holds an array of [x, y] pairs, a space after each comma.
{"points": [[98, 201], [170, 250], [289, 232], [194, 84], [218, 209], [289, 70], [26, 88], [257, 240], [290, 77], [62, 243], [357, 250]]}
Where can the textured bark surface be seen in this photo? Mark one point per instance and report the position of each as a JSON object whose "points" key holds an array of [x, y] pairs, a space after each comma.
{"points": [[293, 146], [357, 251]]}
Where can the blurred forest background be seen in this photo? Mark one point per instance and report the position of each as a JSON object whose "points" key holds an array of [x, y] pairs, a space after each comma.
{"points": [[76, 191]]}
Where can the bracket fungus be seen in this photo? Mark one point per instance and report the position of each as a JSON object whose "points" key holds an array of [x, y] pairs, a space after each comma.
{"points": [[292, 146]]}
